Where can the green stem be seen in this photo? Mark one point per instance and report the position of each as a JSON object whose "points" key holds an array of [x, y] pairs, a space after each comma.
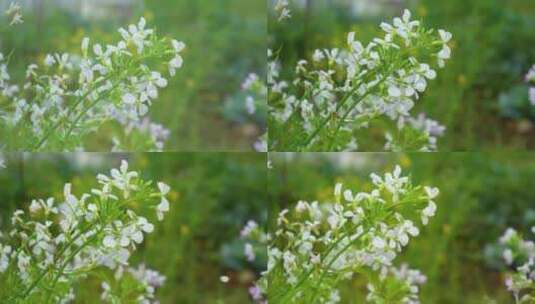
{"points": [[307, 275], [322, 276], [344, 117], [338, 107], [77, 119], [67, 261], [45, 272], [326, 119], [50, 131]]}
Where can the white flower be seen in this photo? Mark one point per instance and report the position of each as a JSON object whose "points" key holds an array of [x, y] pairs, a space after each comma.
{"points": [[14, 11], [445, 53], [164, 203], [532, 96], [428, 212], [378, 243], [97, 49], [348, 195], [137, 35], [17, 19], [164, 188], [248, 229], [109, 241], [145, 225], [444, 35], [432, 192], [250, 105], [281, 7], [509, 234], [106, 293], [162, 208], [122, 178], [249, 252], [178, 45], [13, 8], [49, 60], [35, 207], [530, 76], [394, 91], [508, 256], [106, 192], [129, 234], [5, 252], [175, 64], [356, 71]]}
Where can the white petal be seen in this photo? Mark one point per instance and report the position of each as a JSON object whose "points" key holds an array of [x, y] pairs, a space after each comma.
{"points": [[129, 98], [394, 91], [109, 241], [164, 205], [138, 237], [164, 188], [124, 166]]}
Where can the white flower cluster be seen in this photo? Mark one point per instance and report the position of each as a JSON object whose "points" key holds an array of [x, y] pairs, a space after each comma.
{"points": [[157, 135], [519, 254], [14, 13], [148, 280], [410, 278], [248, 84], [281, 7], [317, 244], [71, 96], [431, 129], [255, 237], [530, 78], [255, 102], [343, 90], [60, 243]]}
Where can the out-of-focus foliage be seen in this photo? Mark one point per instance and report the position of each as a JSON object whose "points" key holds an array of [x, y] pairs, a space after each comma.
{"points": [[212, 197], [492, 51], [480, 196]]}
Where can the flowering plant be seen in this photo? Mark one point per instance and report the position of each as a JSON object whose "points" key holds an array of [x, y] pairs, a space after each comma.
{"points": [[282, 10], [14, 13], [518, 102], [316, 246], [256, 240], [70, 96], [340, 92], [55, 245], [519, 254], [255, 102], [530, 79]]}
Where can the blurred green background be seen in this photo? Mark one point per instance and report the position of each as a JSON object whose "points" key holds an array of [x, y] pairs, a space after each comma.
{"points": [[480, 96], [226, 40], [481, 195], [213, 196]]}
